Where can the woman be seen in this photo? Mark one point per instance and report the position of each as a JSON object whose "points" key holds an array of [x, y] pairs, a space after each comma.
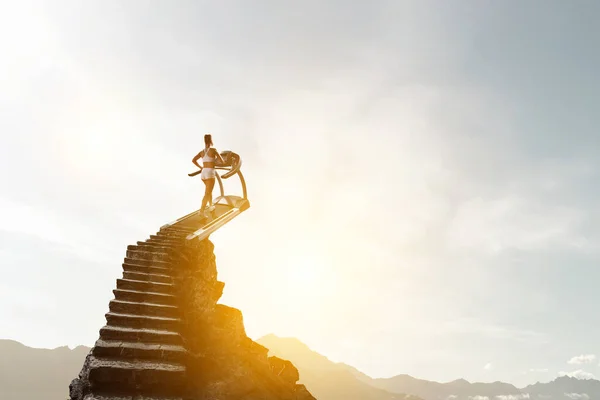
{"points": [[209, 155]]}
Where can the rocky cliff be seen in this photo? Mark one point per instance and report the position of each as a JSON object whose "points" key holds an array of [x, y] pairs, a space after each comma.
{"points": [[166, 337]]}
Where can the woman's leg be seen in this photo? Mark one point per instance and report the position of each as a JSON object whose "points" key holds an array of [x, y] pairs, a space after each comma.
{"points": [[210, 184], [209, 189]]}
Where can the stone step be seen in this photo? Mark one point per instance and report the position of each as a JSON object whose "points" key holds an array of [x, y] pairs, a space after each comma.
{"points": [[143, 322], [140, 276], [148, 255], [173, 245], [144, 269], [163, 246], [141, 286], [172, 240], [153, 247], [154, 310], [183, 230], [120, 396], [148, 263], [167, 239], [109, 396], [136, 376], [139, 351], [124, 334], [144, 297], [177, 228], [172, 235]]}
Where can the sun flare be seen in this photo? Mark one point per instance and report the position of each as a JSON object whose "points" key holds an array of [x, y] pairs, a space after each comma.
{"points": [[305, 278], [304, 271]]}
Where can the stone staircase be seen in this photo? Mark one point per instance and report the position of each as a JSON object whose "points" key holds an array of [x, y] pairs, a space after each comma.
{"points": [[140, 351]]}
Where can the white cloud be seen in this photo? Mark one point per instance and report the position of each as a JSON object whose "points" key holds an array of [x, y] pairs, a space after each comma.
{"points": [[488, 366], [579, 374], [582, 359], [510, 222], [513, 396], [577, 396], [479, 398]]}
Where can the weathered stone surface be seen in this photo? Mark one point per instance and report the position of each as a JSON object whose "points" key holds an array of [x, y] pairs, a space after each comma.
{"points": [[142, 286], [144, 297], [148, 255], [145, 276], [284, 369], [149, 263], [132, 307], [80, 387], [137, 378], [106, 396], [145, 269], [164, 239], [144, 246], [144, 335], [139, 351], [143, 322]]}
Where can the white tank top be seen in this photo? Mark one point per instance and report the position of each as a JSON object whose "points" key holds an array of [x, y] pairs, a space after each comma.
{"points": [[206, 157]]}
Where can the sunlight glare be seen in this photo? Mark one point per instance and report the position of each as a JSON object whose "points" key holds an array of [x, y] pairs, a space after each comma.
{"points": [[306, 280], [303, 272]]}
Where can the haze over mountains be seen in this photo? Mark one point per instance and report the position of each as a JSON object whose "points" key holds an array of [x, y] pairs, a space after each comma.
{"points": [[28, 374]]}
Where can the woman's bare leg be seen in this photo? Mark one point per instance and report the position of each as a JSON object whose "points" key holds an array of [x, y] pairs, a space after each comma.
{"points": [[210, 184]]}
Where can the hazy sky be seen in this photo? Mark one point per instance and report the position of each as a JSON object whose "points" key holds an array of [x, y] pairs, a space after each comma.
{"points": [[423, 175]]}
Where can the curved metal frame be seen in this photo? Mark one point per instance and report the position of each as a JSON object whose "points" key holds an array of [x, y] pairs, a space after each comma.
{"points": [[220, 184], [242, 181], [245, 193], [235, 169]]}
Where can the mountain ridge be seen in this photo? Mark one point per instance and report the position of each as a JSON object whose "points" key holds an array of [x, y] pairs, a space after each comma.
{"points": [[458, 389]]}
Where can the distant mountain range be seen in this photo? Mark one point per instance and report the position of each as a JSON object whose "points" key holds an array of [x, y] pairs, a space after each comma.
{"points": [[29, 374], [315, 370], [325, 379]]}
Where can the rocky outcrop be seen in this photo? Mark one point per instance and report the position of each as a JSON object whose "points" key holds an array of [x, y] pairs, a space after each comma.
{"points": [[167, 337]]}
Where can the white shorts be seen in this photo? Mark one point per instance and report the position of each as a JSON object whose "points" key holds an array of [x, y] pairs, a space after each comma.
{"points": [[208, 173]]}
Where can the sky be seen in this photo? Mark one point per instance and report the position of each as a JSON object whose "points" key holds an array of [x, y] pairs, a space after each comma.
{"points": [[422, 174]]}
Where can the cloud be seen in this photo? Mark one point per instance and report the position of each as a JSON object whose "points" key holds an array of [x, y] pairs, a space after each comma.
{"points": [[494, 225], [579, 374], [479, 397], [582, 359], [488, 366], [513, 396], [577, 396]]}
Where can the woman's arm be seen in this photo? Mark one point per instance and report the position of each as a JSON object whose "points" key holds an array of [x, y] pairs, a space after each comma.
{"points": [[218, 155], [195, 159]]}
